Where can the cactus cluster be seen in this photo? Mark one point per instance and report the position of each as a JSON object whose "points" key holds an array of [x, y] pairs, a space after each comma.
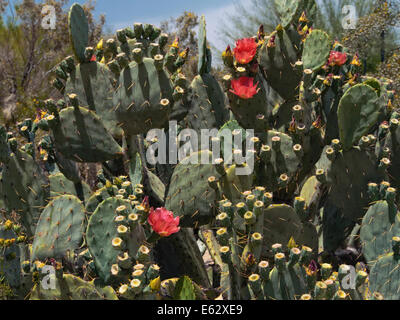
{"points": [[315, 217]]}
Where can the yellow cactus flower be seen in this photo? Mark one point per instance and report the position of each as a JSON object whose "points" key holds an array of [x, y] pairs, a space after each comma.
{"points": [[184, 53], [8, 224], [291, 244], [43, 153], [155, 284], [40, 116], [356, 61], [303, 18], [390, 105], [100, 45], [175, 44]]}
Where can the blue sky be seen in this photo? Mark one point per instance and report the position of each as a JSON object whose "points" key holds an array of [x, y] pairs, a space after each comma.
{"points": [[122, 13]]}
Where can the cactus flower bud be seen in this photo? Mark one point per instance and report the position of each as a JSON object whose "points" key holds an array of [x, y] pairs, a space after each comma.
{"points": [[227, 57]]}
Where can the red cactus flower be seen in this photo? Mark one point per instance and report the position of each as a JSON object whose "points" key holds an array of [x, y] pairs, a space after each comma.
{"points": [[163, 222], [244, 87], [245, 50], [337, 58], [93, 58]]}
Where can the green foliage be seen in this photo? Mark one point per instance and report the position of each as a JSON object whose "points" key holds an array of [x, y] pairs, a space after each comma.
{"points": [[324, 137], [184, 289]]}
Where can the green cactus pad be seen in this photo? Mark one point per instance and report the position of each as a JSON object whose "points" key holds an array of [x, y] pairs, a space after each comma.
{"points": [[202, 66], [137, 101], [2, 203], [10, 265], [311, 192], [185, 256], [358, 111], [278, 63], [283, 161], [286, 284], [232, 185], [348, 175], [82, 137], [379, 225], [231, 125], [156, 186], [392, 142], [308, 236], [4, 151], [316, 50], [78, 31], [190, 195], [71, 287], [374, 84], [99, 196], [59, 229], [60, 185], [67, 167], [25, 189], [280, 224], [287, 10], [135, 169], [184, 289], [207, 108], [102, 230], [91, 82], [385, 277]]}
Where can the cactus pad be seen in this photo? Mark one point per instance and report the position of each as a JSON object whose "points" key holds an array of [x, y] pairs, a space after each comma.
{"points": [[82, 137], [358, 111], [102, 230], [138, 99], [316, 50], [379, 225], [190, 195], [25, 188], [91, 82], [60, 228], [10, 265], [78, 31]]}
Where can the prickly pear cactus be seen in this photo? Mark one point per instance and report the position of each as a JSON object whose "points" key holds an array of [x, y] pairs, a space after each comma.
{"points": [[60, 228], [190, 196], [81, 136], [102, 229], [25, 188], [379, 225], [10, 265], [315, 189], [70, 287]]}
